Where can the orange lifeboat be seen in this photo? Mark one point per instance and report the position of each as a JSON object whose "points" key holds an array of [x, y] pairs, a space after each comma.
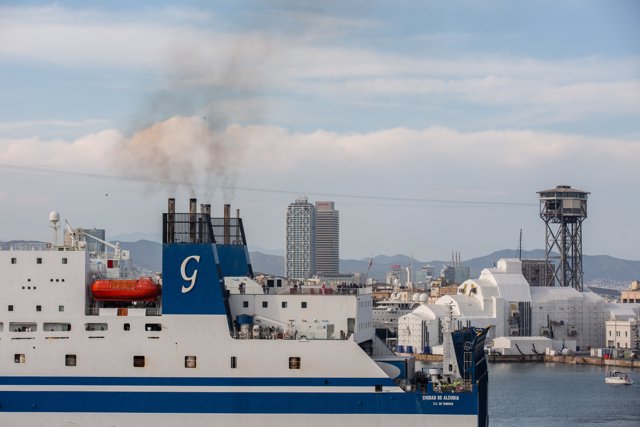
{"points": [[143, 289]]}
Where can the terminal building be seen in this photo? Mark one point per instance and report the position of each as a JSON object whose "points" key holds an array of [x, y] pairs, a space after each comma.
{"points": [[501, 297]]}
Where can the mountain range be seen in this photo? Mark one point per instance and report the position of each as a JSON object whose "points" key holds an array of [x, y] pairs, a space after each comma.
{"points": [[596, 267]]}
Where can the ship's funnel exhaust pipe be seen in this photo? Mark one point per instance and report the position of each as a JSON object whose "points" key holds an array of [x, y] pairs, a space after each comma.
{"points": [[171, 220], [227, 224], [193, 207], [238, 239]]}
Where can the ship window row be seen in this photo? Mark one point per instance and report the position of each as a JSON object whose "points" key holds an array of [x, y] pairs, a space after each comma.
{"points": [[10, 307], [265, 304], [190, 362], [33, 326], [69, 359], [65, 326], [40, 260]]}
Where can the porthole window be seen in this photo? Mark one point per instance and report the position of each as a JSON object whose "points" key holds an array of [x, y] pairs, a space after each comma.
{"points": [[70, 360], [294, 363], [138, 361], [190, 362]]}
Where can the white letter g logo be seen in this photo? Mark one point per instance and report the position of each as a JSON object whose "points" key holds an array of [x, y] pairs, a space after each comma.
{"points": [[191, 278]]}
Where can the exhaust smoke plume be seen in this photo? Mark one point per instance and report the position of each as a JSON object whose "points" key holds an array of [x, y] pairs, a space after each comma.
{"points": [[182, 152], [183, 136]]}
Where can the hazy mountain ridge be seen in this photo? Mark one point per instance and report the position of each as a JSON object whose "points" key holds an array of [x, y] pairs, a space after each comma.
{"points": [[147, 255]]}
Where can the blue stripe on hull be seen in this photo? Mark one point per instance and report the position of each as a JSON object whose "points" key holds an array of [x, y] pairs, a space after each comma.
{"points": [[230, 403], [198, 381]]}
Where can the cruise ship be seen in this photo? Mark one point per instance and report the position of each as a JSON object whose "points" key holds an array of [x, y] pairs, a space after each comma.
{"points": [[84, 341]]}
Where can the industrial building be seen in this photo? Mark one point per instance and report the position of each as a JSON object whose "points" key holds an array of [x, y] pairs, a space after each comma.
{"points": [[502, 297]]}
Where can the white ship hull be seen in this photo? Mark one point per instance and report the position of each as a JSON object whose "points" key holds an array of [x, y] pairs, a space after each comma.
{"points": [[232, 420]]}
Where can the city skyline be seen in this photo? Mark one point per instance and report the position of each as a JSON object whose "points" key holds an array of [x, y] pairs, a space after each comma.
{"points": [[431, 125]]}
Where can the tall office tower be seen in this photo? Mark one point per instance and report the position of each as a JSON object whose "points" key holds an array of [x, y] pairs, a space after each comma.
{"points": [[328, 239], [300, 249]]}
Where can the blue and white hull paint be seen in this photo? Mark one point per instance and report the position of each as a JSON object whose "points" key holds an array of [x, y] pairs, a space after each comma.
{"points": [[186, 359]]}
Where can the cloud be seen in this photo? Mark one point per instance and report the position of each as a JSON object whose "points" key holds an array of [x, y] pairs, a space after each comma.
{"points": [[191, 151], [193, 49]]}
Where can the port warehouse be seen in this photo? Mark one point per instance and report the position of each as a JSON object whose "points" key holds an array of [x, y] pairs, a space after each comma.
{"points": [[562, 317]]}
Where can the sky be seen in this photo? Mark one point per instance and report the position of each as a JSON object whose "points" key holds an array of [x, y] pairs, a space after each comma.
{"points": [[432, 125]]}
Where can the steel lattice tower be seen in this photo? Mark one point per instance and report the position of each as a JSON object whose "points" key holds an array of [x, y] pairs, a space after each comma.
{"points": [[563, 209]]}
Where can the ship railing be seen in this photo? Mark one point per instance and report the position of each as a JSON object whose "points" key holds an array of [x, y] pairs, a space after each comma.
{"points": [[338, 336], [455, 387], [149, 311], [318, 290]]}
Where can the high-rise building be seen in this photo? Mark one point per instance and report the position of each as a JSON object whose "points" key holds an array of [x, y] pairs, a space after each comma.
{"points": [[300, 249], [328, 239]]}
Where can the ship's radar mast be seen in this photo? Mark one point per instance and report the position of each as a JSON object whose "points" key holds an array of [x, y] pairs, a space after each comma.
{"points": [[54, 218]]}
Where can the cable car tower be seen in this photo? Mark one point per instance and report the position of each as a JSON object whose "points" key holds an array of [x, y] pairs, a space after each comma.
{"points": [[563, 209]]}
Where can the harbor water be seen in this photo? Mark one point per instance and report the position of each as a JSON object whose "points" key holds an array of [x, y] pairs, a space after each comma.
{"points": [[557, 394]]}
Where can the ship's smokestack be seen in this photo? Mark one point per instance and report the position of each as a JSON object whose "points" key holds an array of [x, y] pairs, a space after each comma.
{"points": [[193, 206], [171, 220], [227, 220]]}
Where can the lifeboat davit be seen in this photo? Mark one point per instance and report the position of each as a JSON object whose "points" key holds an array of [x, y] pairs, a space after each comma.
{"points": [[143, 289]]}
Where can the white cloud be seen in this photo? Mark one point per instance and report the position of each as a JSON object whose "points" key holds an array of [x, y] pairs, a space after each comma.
{"points": [[180, 148]]}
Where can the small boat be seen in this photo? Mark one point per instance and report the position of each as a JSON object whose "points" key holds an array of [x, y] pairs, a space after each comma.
{"points": [[617, 377], [143, 289]]}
